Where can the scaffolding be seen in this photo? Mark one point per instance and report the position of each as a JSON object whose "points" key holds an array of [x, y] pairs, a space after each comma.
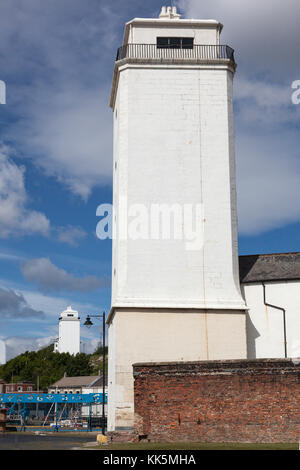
{"points": [[64, 411]]}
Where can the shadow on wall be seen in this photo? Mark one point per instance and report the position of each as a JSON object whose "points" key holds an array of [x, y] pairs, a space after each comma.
{"points": [[252, 334]]}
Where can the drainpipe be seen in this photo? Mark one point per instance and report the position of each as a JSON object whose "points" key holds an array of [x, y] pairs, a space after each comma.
{"points": [[284, 318]]}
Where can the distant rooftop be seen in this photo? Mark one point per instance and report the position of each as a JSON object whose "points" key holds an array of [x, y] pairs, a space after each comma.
{"points": [[270, 267], [81, 381]]}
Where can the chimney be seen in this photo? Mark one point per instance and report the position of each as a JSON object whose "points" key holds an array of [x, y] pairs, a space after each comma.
{"points": [[169, 13], [163, 11]]}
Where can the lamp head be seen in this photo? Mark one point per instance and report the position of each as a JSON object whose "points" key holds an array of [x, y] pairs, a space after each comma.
{"points": [[88, 322]]}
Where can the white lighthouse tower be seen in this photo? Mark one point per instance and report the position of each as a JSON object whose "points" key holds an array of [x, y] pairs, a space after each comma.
{"points": [[174, 298], [68, 332]]}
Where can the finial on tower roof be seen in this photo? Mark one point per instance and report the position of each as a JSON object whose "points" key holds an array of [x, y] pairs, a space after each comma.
{"points": [[169, 13]]}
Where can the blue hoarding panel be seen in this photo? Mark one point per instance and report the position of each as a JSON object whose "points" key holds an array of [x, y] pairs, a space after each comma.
{"points": [[52, 398]]}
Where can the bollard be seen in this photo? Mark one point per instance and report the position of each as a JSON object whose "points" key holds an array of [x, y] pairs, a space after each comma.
{"points": [[101, 439]]}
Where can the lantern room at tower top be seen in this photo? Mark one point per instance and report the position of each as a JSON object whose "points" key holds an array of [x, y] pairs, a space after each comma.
{"points": [[171, 38], [144, 30]]}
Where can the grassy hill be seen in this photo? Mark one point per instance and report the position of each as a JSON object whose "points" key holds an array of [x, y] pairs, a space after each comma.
{"points": [[50, 366]]}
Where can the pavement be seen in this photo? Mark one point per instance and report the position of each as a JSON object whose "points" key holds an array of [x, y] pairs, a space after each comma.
{"points": [[47, 441]]}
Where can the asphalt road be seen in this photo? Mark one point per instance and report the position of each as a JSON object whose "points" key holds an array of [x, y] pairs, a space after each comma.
{"points": [[47, 441]]}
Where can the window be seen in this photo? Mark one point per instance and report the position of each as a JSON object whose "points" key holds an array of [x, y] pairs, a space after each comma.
{"points": [[19, 389], [175, 43]]}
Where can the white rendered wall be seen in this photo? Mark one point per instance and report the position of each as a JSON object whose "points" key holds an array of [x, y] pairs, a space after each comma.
{"points": [[143, 34], [174, 144], [161, 336], [111, 378], [69, 336], [265, 332]]}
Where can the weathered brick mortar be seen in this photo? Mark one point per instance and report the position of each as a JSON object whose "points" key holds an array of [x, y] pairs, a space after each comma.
{"points": [[241, 401]]}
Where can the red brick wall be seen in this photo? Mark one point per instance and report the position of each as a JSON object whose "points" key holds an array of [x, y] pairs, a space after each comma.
{"points": [[14, 388], [215, 401]]}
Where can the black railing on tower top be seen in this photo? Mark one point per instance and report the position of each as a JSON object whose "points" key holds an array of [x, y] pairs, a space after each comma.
{"points": [[196, 52]]}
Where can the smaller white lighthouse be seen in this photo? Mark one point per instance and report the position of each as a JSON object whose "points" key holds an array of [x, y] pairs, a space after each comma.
{"points": [[68, 332]]}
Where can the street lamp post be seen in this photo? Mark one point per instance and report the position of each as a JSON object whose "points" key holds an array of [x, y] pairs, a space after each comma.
{"points": [[88, 323], [37, 405]]}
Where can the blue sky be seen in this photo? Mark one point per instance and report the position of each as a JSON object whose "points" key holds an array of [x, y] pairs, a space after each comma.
{"points": [[56, 147]]}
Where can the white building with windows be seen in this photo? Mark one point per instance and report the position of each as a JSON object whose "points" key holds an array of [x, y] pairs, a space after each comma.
{"points": [[271, 287], [68, 332], [82, 384], [172, 101]]}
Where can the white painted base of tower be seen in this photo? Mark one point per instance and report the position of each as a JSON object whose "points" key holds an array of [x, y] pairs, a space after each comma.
{"points": [[161, 335]]}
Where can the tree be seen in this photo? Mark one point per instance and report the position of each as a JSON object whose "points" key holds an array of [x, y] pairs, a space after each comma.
{"points": [[46, 365]]}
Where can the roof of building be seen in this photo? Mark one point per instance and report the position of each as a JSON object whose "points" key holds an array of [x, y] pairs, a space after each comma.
{"points": [[270, 267], [81, 381]]}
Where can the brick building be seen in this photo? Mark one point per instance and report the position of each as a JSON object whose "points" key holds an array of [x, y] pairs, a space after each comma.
{"points": [[2, 386], [18, 387]]}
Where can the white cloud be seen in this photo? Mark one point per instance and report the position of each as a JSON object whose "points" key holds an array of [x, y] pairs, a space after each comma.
{"points": [[72, 140], [66, 49], [14, 305], [265, 38], [263, 93], [268, 176], [48, 277], [66, 127], [53, 306], [70, 235], [15, 217], [10, 257], [89, 346], [50, 305], [16, 345], [264, 105], [264, 34]]}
